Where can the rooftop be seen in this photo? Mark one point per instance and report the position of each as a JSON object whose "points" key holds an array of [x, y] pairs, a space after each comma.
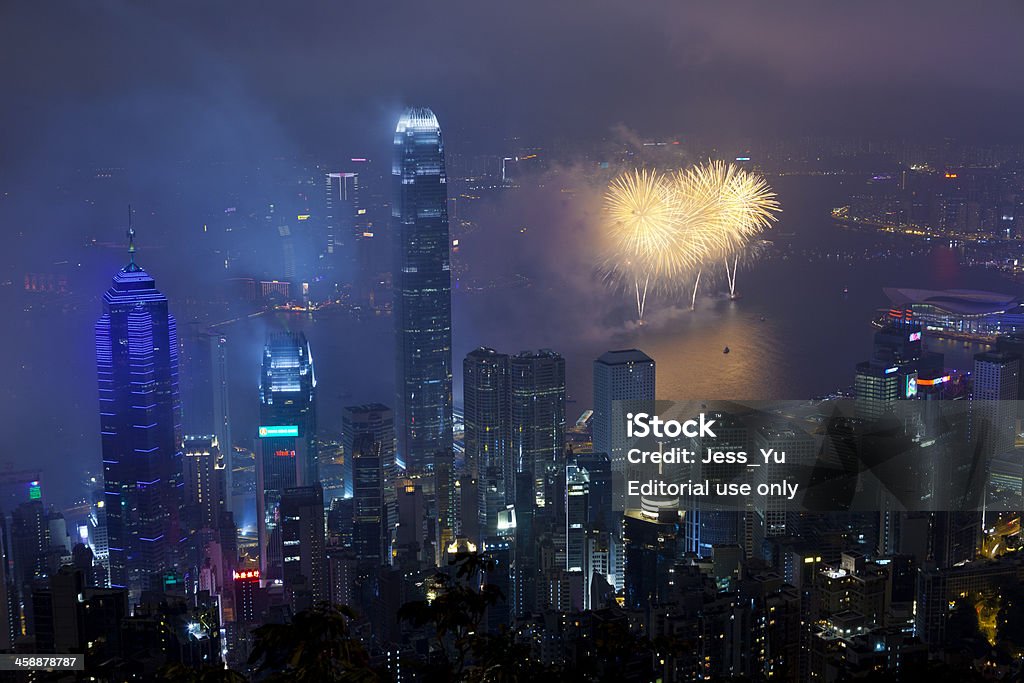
{"points": [[624, 356], [958, 301]]}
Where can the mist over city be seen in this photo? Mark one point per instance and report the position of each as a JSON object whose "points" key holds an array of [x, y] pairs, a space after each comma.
{"points": [[320, 311]]}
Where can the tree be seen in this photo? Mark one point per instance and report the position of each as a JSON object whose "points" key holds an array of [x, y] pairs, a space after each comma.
{"points": [[316, 646], [181, 673], [455, 613]]}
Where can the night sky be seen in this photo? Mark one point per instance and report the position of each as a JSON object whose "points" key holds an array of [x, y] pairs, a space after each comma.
{"points": [[119, 80]]}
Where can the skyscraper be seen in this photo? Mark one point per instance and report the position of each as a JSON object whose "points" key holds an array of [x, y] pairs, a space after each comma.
{"points": [[485, 392], [422, 290], [993, 401], [140, 424], [619, 376], [287, 436], [369, 532], [205, 389], [537, 409], [375, 419], [288, 395], [340, 219], [302, 525], [205, 480]]}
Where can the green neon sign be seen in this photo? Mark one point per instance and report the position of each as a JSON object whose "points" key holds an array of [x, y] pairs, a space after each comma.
{"points": [[272, 431]]}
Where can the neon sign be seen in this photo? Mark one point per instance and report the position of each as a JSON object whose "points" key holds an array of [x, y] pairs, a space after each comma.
{"points": [[272, 431], [246, 574]]}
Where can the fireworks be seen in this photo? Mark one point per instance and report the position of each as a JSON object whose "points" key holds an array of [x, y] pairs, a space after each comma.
{"points": [[659, 235], [665, 230]]}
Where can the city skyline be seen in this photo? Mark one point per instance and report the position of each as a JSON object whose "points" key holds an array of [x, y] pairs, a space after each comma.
{"points": [[452, 373]]}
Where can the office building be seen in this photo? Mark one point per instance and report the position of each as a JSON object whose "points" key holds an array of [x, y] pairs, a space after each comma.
{"points": [[342, 209], [993, 401], [370, 536], [620, 376], [302, 540], [537, 410], [205, 476], [204, 382], [485, 393], [140, 426], [422, 292], [374, 419], [287, 437]]}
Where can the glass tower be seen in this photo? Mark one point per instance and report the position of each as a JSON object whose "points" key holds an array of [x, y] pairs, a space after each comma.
{"points": [[422, 290], [287, 436], [626, 376], [537, 413], [140, 424]]}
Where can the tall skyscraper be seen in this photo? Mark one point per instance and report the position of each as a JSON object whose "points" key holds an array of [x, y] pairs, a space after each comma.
{"points": [[205, 389], [993, 401], [342, 209], [140, 424], [619, 376], [369, 532], [485, 392], [537, 409], [287, 434], [30, 541], [302, 524], [422, 290], [375, 419], [205, 480]]}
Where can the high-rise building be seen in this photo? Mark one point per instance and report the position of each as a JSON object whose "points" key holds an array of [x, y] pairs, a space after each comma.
{"points": [[302, 526], [369, 537], [537, 410], [485, 393], [577, 508], [30, 540], [206, 494], [9, 622], [422, 291], [140, 424], [898, 361], [287, 432], [342, 209], [488, 462], [600, 513], [288, 395], [205, 389], [619, 376], [993, 400], [369, 418]]}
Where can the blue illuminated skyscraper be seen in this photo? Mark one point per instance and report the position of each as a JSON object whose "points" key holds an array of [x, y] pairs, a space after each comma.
{"points": [[422, 289], [140, 423], [287, 436]]}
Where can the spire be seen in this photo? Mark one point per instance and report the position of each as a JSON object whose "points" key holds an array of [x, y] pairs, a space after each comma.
{"points": [[132, 266]]}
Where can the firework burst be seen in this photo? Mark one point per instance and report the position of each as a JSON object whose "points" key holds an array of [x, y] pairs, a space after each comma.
{"points": [[665, 230], [658, 235]]}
